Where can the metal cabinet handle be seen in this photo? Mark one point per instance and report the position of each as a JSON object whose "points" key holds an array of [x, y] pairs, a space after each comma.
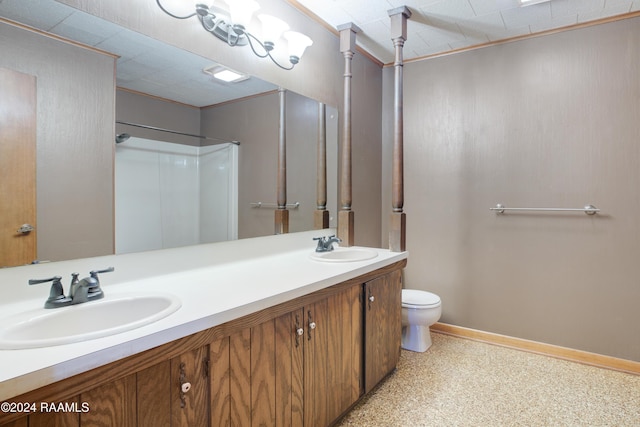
{"points": [[311, 324], [185, 385]]}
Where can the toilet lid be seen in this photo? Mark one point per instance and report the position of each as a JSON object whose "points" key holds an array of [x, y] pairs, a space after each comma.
{"points": [[418, 298]]}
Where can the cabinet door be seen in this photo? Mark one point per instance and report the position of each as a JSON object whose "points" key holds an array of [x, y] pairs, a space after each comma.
{"points": [[161, 398], [276, 371], [154, 396], [230, 379], [383, 326], [219, 388], [333, 356], [263, 374], [111, 404], [189, 389], [289, 354], [256, 375]]}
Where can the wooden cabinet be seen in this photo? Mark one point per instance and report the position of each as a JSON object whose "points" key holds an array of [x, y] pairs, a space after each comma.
{"points": [[301, 368], [256, 375], [110, 404], [383, 327], [154, 405], [190, 389], [151, 397], [332, 356], [174, 392], [301, 363]]}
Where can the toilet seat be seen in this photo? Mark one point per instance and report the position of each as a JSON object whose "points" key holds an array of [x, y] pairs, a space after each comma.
{"points": [[414, 298]]}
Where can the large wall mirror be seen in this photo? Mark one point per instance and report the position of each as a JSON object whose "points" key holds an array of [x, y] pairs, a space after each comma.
{"points": [[165, 87]]}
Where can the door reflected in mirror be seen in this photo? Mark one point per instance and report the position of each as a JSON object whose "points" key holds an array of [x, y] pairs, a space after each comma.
{"points": [[17, 163]]}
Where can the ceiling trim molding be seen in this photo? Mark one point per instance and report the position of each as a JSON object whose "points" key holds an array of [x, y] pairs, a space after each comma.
{"points": [[159, 98], [525, 36], [244, 98], [57, 38]]}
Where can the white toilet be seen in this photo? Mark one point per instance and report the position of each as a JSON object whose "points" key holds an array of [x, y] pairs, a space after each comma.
{"points": [[420, 309]]}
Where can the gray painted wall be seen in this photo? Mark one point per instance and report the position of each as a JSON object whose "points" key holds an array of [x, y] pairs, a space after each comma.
{"points": [[549, 122], [254, 122], [150, 111]]}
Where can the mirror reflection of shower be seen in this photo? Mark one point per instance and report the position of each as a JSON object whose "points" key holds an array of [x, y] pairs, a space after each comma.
{"points": [[170, 195]]}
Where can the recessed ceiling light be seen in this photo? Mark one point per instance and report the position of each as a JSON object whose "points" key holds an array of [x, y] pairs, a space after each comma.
{"points": [[226, 75], [530, 2]]}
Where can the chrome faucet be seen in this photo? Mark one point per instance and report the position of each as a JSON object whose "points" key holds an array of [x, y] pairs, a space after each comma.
{"points": [[80, 291], [87, 289], [325, 243]]}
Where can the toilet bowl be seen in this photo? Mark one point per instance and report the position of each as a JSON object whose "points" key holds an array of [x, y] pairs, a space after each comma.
{"points": [[420, 309]]}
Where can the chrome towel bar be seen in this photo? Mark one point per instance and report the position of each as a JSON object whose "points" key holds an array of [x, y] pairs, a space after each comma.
{"points": [[588, 209], [258, 205]]}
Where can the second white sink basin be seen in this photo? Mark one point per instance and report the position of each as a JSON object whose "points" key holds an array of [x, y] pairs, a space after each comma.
{"points": [[82, 322], [345, 255]]}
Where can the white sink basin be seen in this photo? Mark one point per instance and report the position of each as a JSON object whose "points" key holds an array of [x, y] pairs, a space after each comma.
{"points": [[345, 255], [82, 322]]}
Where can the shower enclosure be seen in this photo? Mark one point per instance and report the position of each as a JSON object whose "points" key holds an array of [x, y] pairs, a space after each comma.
{"points": [[169, 195]]}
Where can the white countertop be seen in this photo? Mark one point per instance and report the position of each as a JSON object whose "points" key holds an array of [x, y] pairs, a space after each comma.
{"points": [[216, 283]]}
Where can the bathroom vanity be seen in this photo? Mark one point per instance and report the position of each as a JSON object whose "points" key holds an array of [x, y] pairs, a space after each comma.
{"points": [[266, 335]]}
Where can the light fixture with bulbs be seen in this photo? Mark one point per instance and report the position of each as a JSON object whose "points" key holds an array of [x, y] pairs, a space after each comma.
{"points": [[233, 26]]}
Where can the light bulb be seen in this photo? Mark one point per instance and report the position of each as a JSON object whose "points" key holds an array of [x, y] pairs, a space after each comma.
{"points": [[298, 42], [272, 29]]}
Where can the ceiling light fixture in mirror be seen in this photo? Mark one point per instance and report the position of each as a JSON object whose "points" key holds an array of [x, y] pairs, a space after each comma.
{"points": [[232, 27]]}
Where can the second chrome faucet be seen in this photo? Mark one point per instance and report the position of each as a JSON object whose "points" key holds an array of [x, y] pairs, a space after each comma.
{"points": [[325, 243]]}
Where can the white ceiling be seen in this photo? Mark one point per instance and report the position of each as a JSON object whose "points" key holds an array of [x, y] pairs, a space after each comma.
{"points": [[436, 26]]}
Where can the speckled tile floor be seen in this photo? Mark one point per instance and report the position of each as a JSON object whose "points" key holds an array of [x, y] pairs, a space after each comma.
{"points": [[459, 382]]}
